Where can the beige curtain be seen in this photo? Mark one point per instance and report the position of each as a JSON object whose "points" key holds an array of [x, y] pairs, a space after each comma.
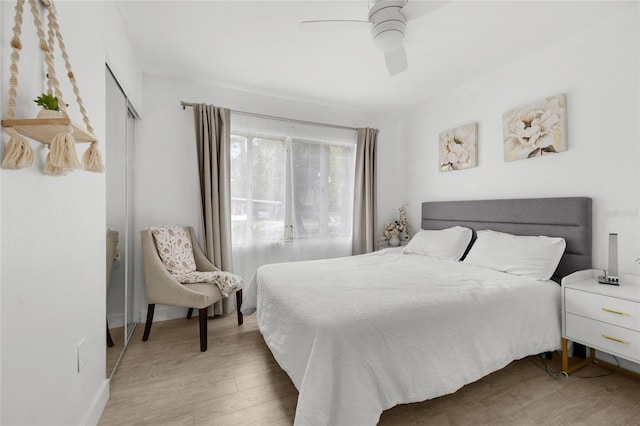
{"points": [[364, 206], [213, 142]]}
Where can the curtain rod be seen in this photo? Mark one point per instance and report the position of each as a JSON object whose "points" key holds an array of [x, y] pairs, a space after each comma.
{"points": [[289, 120]]}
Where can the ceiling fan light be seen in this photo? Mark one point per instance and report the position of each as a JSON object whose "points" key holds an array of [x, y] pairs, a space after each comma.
{"points": [[389, 34], [389, 40]]}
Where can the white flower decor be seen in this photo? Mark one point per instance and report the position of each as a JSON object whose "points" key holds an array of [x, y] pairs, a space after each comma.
{"points": [[536, 129], [398, 228], [458, 148]]}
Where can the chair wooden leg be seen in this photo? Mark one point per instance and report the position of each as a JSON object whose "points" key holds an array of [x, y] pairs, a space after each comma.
{"points": [[238, 305], [203, 313], [147, 327], [189, 313]]}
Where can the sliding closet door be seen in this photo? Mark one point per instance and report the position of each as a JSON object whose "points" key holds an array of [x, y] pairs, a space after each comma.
{"points": [[119, 147], [116, 205], [129, 301]]}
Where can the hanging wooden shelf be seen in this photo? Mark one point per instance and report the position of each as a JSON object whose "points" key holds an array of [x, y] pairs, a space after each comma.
{"points": [[57, 131], [44, 129]]}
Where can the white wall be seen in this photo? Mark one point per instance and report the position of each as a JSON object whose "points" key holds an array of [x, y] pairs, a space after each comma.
{"points": [[598, 71], [166, 174], [393, 168], [53, 251], [120, 55], [52, 242]]}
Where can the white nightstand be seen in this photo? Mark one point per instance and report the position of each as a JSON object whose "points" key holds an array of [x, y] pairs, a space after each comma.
{"points": [[602, 317]]}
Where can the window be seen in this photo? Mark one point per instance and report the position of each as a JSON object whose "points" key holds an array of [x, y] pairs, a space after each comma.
{"points": [[290, 182], [322, 189], [257, 188]]}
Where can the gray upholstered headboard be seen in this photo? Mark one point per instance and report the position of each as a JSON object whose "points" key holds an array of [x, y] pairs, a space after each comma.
{"points": [[569, 218]]}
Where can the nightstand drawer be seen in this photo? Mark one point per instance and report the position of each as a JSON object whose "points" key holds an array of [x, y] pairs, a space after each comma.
{"points": [[624, 313], [602, 336]]}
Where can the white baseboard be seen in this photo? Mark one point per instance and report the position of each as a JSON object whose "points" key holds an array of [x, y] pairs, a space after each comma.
{"points": [[168, 312], [165, 312], [93, 413], [116, 319]]}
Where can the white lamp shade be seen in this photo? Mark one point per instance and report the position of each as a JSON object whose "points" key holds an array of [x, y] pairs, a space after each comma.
{"points": [[389, 40], [388, 25]]}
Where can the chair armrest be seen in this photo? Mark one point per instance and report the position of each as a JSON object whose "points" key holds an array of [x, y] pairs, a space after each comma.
{"points": [[161, 286]]}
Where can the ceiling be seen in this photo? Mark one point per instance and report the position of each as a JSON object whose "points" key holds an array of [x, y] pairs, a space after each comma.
{"points": [[258, 46]]}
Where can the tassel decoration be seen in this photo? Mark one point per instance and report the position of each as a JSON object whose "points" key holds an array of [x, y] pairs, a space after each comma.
{"points": [[18, 152], [91, 160], [62, 154], [52, 170]]}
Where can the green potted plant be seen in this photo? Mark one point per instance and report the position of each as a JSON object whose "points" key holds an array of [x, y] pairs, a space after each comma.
{"points": [[50, 106]]}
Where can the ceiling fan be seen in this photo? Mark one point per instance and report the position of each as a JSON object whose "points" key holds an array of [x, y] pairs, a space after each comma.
{"points": [[387, 20]]}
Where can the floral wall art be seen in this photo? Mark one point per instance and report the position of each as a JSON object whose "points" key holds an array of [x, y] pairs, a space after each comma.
{"points": [[536, 129], [458, 148]]}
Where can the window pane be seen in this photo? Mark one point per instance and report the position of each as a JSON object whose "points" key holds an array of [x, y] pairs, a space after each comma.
{"points": [[268, 186], [257, 189], [322, 184], [340, 190], [309, 183], [239, 189], [290, 175]]}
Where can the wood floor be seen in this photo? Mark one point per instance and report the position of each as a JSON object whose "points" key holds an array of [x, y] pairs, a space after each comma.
{"points": [[168, 381]]}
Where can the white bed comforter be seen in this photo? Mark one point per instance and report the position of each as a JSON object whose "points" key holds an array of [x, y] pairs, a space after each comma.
{"points": [[358, 335]]}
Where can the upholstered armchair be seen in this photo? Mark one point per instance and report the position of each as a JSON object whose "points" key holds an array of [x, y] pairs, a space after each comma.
{"points": [[163, 288]]}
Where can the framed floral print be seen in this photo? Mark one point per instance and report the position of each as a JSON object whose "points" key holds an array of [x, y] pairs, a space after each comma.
{"points": [[458, 148], [536, 129]]}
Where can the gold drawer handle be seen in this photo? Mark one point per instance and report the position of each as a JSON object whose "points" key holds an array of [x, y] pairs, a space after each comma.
{"points": [[615, 339], [613, 311]]}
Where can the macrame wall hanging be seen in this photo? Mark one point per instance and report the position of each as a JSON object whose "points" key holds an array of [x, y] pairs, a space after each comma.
{"points": [[53, 128]]}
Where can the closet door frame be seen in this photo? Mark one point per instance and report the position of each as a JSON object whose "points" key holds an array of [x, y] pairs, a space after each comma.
{"points": [[125, 125]]}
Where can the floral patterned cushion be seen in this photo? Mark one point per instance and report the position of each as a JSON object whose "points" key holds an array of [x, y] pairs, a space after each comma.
{"points": [[175, 249]]}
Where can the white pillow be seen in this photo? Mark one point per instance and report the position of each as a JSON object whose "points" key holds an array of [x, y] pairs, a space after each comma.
{"points": [[449, 244], [535, 257]]}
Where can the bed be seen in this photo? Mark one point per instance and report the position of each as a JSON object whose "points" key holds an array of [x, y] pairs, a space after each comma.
{"points": [[361, 334]]}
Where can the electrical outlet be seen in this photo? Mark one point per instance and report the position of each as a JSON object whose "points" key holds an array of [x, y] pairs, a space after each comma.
{"points": [[82, 354]]}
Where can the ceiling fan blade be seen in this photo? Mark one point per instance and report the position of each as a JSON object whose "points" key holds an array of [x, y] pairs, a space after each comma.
{"points": [[333, 25], [415, 9], [396, 60]]}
